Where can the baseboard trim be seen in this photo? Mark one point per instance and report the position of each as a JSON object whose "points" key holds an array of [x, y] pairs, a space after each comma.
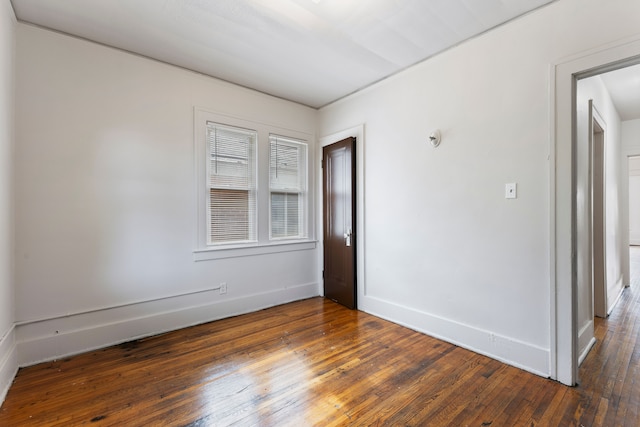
{"points": [[8, 362], [64, 336], [586, 340], [513, 352], [586, 350], [621, 288]]}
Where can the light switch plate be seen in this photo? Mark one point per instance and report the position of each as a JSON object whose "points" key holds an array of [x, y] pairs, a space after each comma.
{"points": [[510, 191]]}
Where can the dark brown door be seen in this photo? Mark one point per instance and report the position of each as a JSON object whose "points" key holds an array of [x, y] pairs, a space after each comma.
{"points": [[338, 192]]}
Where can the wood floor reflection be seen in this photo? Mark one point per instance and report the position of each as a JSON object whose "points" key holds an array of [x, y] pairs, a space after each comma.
{"points": [[314, 362]]}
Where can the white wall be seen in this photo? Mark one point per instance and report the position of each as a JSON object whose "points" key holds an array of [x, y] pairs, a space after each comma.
{"points": [[631, 137], [631, 147], [106, 204], [594, 89], [8, 358], [634, 200], [445, 252]]}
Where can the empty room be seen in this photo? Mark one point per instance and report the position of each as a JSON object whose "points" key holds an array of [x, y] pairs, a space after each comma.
{"points": [[318, 212]]}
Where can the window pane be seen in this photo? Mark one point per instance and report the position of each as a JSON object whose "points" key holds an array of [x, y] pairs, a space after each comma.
{"points": [[278, 223], [229, 215], [292, 215], [231, 183], [230, 157], [285, 215], [284, 166], [287, 182]]}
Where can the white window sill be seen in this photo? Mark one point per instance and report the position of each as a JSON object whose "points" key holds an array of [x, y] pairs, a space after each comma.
{"points": [[222, 252]]}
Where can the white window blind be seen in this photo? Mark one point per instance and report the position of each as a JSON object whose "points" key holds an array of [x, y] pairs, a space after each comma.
{"points": [[231, 181], [288, 187]]}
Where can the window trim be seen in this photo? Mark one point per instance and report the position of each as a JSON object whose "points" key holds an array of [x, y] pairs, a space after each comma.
{"points": [[251, 184], [252, 250], [302, 190], [264, 244]]}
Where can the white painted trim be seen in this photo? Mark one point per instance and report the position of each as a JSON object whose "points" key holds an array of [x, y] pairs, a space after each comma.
{"points": [[586, 339], [63, 336], [564, 335], [8, 350], [620, 286], [553, 342], [8, 361], [630, 151], [594, 117], [593, 61], [259, 249], [508, 350], [358, 133], [586, 350]]}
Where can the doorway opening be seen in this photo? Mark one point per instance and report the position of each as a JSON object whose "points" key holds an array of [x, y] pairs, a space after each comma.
{"points": [[358, 235], [601, 104], [571, 239]]}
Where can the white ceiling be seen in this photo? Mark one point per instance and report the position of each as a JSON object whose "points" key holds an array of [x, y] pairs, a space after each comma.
{"points": [[308, 51], [624, 87]]}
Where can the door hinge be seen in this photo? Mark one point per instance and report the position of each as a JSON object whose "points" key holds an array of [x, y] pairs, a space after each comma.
{"points": [[321, 163], [323, 274]]}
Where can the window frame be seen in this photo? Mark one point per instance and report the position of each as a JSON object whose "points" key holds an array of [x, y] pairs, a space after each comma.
{"points": [[302, 190], [251, 185], [264, 244]]}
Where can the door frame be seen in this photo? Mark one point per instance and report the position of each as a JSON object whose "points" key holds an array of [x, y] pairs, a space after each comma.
{"points": [[565, 73], [358, 133], [598, 253]]}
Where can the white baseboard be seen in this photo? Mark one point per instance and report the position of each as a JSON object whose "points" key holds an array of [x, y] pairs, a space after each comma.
{"points": [[51, 339], [587, 349], [621, 288], [513, 352], [8, 362], [586, 340]]}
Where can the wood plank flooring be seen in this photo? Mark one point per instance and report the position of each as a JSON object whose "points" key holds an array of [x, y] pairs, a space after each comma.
{"points": [[314, 362]]}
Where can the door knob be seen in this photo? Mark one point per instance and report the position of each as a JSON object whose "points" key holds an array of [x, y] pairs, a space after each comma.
{"points": [[347, 237]]}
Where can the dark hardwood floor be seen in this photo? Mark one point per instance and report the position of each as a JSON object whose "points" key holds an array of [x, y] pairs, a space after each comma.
{"points": [[314, 362]]}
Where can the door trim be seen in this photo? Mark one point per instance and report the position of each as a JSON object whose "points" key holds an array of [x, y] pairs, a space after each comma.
{"points": [[358, 133], [563, 77], [598, 253]]}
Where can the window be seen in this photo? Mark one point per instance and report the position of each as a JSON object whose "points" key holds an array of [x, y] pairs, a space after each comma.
{"points": [[231, 184], [254, 191], [287, 187]]}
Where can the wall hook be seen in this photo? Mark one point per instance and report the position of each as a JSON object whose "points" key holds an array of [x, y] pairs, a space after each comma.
{"points": [[434, 138]]}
